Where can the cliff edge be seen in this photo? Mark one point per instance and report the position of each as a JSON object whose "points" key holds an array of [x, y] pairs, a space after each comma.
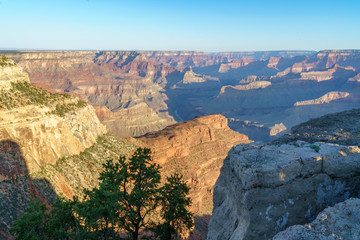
{"points": [[264, 188]]}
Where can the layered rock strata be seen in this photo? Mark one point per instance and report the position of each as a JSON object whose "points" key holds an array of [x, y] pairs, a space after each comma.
{"points": [[117, 80], [37, 129], [204, 142], [46, 126], [195, 149], [328, 97], [250, 86]]}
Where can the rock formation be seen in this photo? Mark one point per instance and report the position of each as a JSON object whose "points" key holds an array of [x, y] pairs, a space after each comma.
{"points": [[265, 188], [328, 97], [37, 128], [250, 86], [236, 63], [195, 149], [323, 75], [191, 77], [339, 128], [116, 80], [46, 126], [334, 223]]}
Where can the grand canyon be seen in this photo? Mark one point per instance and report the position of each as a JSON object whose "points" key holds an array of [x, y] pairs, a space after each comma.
{"points": [[262, 94], [246, 130]]}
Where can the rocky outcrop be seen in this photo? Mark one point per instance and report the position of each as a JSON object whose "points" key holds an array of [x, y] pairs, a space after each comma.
{"points": [[204, 140], [339, 128], [195, 149], [132, 121], [46, 126], [10, 72], [356, 78], [262, 189], [327, 58], [334, 223], [323, 75], [250, 86], [191, 77], [277, 129], [265, 188], [236, 63], [328, 97], [39, 129], [273, 62]]}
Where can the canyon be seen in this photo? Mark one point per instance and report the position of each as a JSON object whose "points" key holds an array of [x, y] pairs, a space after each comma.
{"points": [[54, 145], [135, 92]]}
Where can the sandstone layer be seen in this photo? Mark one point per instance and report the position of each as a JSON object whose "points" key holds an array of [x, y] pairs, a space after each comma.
{"points": [[250, 86], [44, 131], [328, 97], [37, 129], [195, 149], [334, 223]]}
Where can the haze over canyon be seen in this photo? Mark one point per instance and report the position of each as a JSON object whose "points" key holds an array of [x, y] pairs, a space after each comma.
{"points": [[262, 94]]}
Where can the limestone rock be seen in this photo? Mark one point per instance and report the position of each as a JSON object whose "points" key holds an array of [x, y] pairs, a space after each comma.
{"points": [[334, 223], [262, 189]]}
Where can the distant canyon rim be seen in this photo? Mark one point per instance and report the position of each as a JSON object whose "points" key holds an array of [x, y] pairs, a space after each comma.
{"points": [[262, 94]]}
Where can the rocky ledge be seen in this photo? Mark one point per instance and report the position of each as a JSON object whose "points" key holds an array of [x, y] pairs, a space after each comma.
{"points": [[262, 189], [335, 223]]}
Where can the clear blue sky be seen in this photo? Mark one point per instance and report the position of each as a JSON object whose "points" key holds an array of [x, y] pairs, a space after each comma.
{"points": [[180, 24]]}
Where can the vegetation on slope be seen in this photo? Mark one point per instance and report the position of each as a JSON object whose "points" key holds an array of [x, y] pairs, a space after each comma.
{"points": [[129, 199], [23, 93], [4, 62], [80, 172]]}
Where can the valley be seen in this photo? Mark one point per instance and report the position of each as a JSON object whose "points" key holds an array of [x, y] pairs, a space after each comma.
{"points": [[135, 92]]}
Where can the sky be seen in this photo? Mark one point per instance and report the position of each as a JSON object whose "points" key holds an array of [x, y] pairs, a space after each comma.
{"points": [[210, 26]]}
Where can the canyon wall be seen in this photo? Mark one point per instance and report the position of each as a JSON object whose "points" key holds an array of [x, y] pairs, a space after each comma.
{"points": [[46, 126], [37, 128], [195, 149]]}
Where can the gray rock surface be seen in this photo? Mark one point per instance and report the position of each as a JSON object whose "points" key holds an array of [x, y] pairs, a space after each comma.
{"points": [[263, 189], [339, 222]]}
